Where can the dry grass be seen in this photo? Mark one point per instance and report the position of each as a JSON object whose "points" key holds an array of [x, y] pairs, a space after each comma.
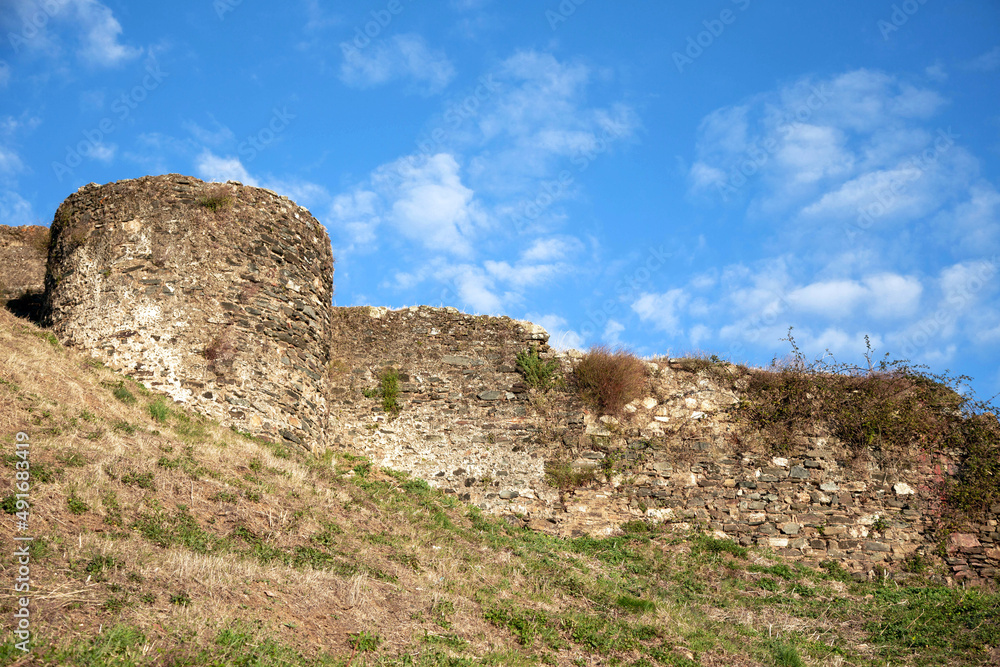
{"points": [[80, 426], [193, 531]]}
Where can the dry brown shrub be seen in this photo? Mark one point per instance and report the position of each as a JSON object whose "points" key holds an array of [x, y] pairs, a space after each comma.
{"points": [[609, 380]]}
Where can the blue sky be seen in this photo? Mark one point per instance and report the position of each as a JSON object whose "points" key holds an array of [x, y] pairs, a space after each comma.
{"points": [[666, 176]]}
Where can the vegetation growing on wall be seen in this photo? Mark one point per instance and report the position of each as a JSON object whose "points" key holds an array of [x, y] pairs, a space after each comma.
{"points": [[608, 380], [387, 391], [537, 372], [891, 412]]}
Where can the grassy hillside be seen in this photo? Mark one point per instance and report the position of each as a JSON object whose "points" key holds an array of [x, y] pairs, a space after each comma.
{"points": [[162, 538]]}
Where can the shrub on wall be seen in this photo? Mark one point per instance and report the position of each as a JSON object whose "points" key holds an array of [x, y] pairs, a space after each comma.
{"points": [[888, 411], [537, 373], [390, 391], [609, 380]]}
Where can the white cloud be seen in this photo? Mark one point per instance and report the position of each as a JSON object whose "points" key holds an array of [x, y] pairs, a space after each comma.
{"points": [[865, 99], [102, 152], [974, 225], [537, 123], [810, 152], [986, 62], [704, 176], [218, 135], [212, 167], [810, 136], [552, 248], [404, 57], [15, 210], [883, 295], [892, 189], [455, 200], [560, 336], [724, 131], [99, 43], [474, 288], [756, 291], [612, 333], [965, 283], [893, 296], [662, 310], [95, 30], [317, 17], [937, 72], [357, 213], [10, 162], [699, 333], [524, 275], [426, 202], [835, 298], [892, 145]]}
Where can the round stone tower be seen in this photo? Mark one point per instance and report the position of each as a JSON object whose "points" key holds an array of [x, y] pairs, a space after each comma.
{"points": [[216, 294]]}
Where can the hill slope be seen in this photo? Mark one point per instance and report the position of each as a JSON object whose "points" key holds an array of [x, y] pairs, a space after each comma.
{"points": [[160, 537]]}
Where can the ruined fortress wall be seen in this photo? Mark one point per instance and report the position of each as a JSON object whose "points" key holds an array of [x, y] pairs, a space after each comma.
{"points": [[23, 253], [471, 428], [815, 503], [216, 294], [467, 424]]}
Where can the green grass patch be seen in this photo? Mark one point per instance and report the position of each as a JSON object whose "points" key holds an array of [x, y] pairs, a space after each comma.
{"points": [[159, 410], [714, 545], [635, 605], [77, 506], [364, 641], [144, 480], [122, 393], [935, 623], [525, 624]]}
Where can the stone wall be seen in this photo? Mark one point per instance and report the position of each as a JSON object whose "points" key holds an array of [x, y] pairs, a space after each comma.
{"points": [[23, 253], [467, 424], [216, 294], [471, 428]]}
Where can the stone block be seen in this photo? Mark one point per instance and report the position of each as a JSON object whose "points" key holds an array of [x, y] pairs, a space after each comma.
{"points": [[798, 472], [790, 528]]}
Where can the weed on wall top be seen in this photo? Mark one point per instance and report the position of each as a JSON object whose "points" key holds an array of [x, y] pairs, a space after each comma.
{"points": [[889, 412], [608, 380]]}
